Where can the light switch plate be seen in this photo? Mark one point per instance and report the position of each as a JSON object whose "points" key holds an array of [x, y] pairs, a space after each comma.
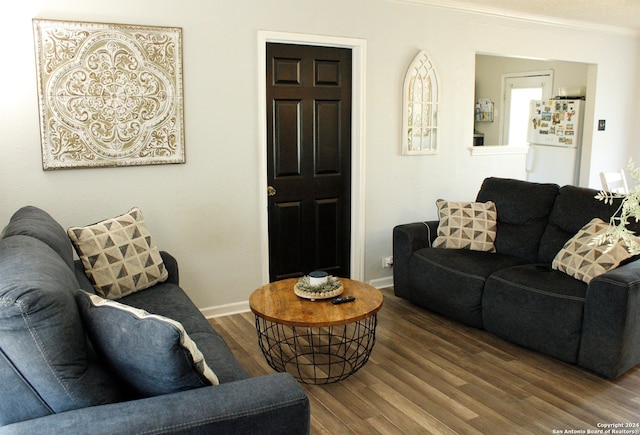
{"points": [[601, 124]]}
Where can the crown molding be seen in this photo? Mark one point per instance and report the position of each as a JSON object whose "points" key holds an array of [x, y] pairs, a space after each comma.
{"points": [[523, 16]]}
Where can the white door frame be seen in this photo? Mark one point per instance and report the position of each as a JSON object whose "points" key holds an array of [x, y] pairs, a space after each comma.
{"points": [[358, 50]]}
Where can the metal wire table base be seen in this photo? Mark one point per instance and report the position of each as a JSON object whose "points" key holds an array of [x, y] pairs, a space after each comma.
{"points": [[317, 355]]}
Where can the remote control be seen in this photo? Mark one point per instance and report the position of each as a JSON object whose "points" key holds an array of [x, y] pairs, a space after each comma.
{"points": [[337, 301]]}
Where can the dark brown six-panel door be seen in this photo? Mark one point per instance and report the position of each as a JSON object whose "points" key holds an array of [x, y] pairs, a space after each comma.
{"points": [[308, 159]]}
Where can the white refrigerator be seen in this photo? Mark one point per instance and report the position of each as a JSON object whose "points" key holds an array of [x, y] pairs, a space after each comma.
{"points": [[555, 139]]}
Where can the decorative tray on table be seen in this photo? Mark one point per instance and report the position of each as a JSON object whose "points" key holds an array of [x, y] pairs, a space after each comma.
{"points": [[330, 289]]}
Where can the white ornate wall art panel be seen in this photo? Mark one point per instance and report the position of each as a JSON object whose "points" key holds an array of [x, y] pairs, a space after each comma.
{"points": [[109, 94]]}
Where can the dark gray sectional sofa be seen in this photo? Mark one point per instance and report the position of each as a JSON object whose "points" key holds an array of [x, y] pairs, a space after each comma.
{"points": [[53, 380], [514, 293]]}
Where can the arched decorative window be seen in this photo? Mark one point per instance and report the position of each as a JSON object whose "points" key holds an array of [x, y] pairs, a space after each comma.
{"points": [[420, 108]]}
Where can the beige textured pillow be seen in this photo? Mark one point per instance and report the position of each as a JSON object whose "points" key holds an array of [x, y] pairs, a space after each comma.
{"points": [[466, 225], [119, 255], [584, 260]]}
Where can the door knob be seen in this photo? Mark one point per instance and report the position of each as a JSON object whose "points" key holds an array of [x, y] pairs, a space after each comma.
{"points": [[271, 191]]}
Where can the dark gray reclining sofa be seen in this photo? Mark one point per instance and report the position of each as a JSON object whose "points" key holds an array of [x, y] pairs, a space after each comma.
{"points": [[514, 293], [52, 382]]}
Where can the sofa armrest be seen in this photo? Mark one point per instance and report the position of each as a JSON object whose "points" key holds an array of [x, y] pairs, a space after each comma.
{"points": [[171, 264], [610, 340], [408, 238], [272, 404]]}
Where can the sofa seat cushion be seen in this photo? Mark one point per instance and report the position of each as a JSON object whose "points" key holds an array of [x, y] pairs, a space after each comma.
{"points": [[169, 300], [451, 281], [523, 211], [151, 353], [41, 333], [536, 307]]}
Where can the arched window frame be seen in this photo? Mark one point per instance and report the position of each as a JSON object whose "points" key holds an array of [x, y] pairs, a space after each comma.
{"points": [[420, 107]]}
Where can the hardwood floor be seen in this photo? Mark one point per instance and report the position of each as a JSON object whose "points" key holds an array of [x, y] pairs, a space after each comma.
{"points": [[428, 374]]}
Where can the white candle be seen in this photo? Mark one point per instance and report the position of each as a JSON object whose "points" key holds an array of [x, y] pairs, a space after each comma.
{"points": [[318, 278]]}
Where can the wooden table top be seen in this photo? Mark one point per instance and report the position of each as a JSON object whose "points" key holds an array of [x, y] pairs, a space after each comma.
{"points": [[278, 303]]}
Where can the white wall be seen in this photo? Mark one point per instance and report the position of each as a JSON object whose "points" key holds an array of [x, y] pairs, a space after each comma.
{"points": [[206, 211]]}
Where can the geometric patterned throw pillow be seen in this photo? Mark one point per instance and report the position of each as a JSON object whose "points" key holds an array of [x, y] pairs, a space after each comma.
{"points": [[584, 260], [119, 255], [466, 225]]}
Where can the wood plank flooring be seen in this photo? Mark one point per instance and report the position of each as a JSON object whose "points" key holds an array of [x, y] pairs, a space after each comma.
{"points": [[429, 374]]}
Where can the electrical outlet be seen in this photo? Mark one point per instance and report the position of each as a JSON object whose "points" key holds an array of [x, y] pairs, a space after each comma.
{"points": [[387, 262]]}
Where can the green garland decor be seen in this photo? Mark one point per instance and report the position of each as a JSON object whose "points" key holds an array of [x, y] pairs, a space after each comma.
{"points": [[332, 284], [629, 210]]}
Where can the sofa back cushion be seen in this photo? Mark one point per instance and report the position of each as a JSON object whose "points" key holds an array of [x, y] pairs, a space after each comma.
{"points": [[18, 401], [34, 222], [523, 210], [41, 335], [574, 208]]}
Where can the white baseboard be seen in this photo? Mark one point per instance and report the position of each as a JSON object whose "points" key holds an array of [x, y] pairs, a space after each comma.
{"points": [[382, 282], [243, 307], [225, 310]]}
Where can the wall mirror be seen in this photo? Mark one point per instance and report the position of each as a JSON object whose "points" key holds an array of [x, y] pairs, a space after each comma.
{"points": [[420, 107], [497, 114]]}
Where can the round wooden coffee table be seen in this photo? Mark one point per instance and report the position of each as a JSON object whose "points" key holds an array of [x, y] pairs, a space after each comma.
{"points": [[316, 341]]}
